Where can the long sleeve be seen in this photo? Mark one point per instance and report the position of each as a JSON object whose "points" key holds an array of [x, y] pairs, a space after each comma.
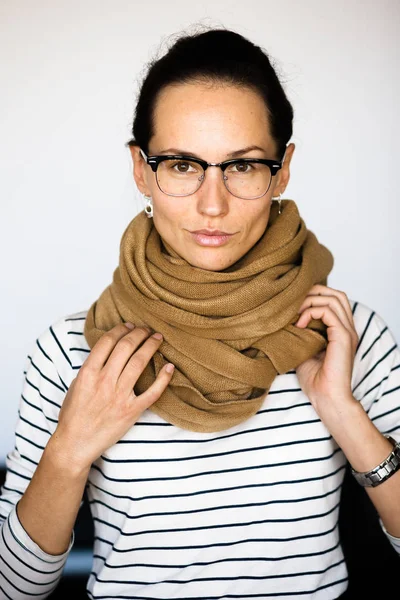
{"points": [[25, 570], [376, 377]]}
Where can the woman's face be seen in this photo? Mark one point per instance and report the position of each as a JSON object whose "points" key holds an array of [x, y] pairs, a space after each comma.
{"points": [[210, 122]]}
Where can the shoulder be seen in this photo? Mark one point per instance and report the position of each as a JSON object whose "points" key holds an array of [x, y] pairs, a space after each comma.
{"points": [[377, 359], [373, 331], [62, 346]]}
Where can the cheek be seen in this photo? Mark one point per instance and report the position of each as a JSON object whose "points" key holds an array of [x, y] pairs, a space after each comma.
{"points": [[167, 215], [257, 221]]}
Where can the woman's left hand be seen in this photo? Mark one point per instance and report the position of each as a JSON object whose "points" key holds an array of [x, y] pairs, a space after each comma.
{"points": [[326, 377]]}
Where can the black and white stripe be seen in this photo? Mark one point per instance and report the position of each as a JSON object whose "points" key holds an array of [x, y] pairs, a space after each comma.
{"points": [[249, 512]]}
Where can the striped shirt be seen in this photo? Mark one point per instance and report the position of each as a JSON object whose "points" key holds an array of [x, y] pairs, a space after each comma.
{"points": [[248, 512]]}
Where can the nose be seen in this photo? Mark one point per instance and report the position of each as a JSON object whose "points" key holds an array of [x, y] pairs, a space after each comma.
{"points": [[213, 197]]}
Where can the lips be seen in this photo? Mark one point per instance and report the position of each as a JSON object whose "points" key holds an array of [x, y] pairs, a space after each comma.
{"points": [[211, 232], [210, 237]]}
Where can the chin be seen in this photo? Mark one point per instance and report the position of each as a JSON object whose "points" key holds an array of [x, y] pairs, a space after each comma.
{"points": [[211, 265]]}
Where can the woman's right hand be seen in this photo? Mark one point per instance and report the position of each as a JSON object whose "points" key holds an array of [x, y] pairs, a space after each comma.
{"points": [[100, 405]]}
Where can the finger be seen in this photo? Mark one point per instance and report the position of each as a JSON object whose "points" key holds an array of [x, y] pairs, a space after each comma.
{"points": [[125, 348], [333, 303], [153, 393], [104, 346], [324, 290], [136, 364], [336, 331]]}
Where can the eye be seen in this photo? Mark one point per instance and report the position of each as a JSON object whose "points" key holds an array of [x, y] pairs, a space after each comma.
{"points": [[182, 166], [241, 167]]}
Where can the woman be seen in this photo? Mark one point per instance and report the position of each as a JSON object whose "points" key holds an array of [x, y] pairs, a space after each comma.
{"points": [[210, 398]]}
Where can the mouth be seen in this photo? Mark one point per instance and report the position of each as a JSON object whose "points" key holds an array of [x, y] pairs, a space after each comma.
{"points": [[208, 237], [211, 232]]}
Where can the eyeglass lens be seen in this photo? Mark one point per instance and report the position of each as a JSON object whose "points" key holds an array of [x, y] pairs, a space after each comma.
{"points": [[243, 179]]}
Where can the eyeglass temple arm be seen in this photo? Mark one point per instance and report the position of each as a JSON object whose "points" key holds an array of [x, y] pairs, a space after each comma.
{"points": [[150, 161]]}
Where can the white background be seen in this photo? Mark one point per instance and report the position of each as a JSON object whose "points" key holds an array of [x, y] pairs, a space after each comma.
{"points": [[69, 72]]}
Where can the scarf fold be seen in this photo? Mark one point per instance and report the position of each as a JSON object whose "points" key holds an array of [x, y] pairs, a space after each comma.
{"points": [[228, 333]]}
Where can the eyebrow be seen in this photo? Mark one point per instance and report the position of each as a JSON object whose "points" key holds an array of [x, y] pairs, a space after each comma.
{"points": [[229, 155]]}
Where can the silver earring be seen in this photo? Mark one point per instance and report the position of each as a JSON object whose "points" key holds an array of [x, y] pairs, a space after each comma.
{"points": [[279, 200], [148, 209]]}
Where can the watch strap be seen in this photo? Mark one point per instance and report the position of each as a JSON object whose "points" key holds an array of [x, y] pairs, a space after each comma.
{"points": [[383, 471]]}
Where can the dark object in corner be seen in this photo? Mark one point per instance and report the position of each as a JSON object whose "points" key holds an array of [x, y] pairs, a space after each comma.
{"points": [[373, 564]]}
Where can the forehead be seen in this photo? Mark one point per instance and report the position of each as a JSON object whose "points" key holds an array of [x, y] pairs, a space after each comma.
{"points": [[212, 118]]}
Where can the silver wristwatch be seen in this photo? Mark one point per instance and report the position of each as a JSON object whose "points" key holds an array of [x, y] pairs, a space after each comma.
{"points": [[383, 471]]}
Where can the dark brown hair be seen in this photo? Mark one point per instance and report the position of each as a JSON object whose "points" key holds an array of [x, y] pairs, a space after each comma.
{"points": [[216, 56]]}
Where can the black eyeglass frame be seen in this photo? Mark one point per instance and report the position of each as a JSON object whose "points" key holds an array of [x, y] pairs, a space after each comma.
{"points": [[154, 161]]}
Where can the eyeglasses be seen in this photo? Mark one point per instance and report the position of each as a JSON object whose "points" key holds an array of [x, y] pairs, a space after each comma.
{"points": [[246, 178]]}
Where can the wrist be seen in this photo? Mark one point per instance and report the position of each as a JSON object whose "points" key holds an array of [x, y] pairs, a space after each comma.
{"points": [[362, 443], [383, 470], [345, 418], [341, 411], [63, 460]]}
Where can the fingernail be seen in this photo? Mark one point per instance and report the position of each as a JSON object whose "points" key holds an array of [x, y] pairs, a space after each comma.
{"points": [[170, 367], [158, 336], [129, 325]]}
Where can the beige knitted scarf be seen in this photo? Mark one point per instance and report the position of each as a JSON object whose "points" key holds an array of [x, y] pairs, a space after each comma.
{"points": [[228, 333]]}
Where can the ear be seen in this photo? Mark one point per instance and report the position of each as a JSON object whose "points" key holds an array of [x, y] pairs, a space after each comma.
{"points": [[283, 174], [139, 170]]}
